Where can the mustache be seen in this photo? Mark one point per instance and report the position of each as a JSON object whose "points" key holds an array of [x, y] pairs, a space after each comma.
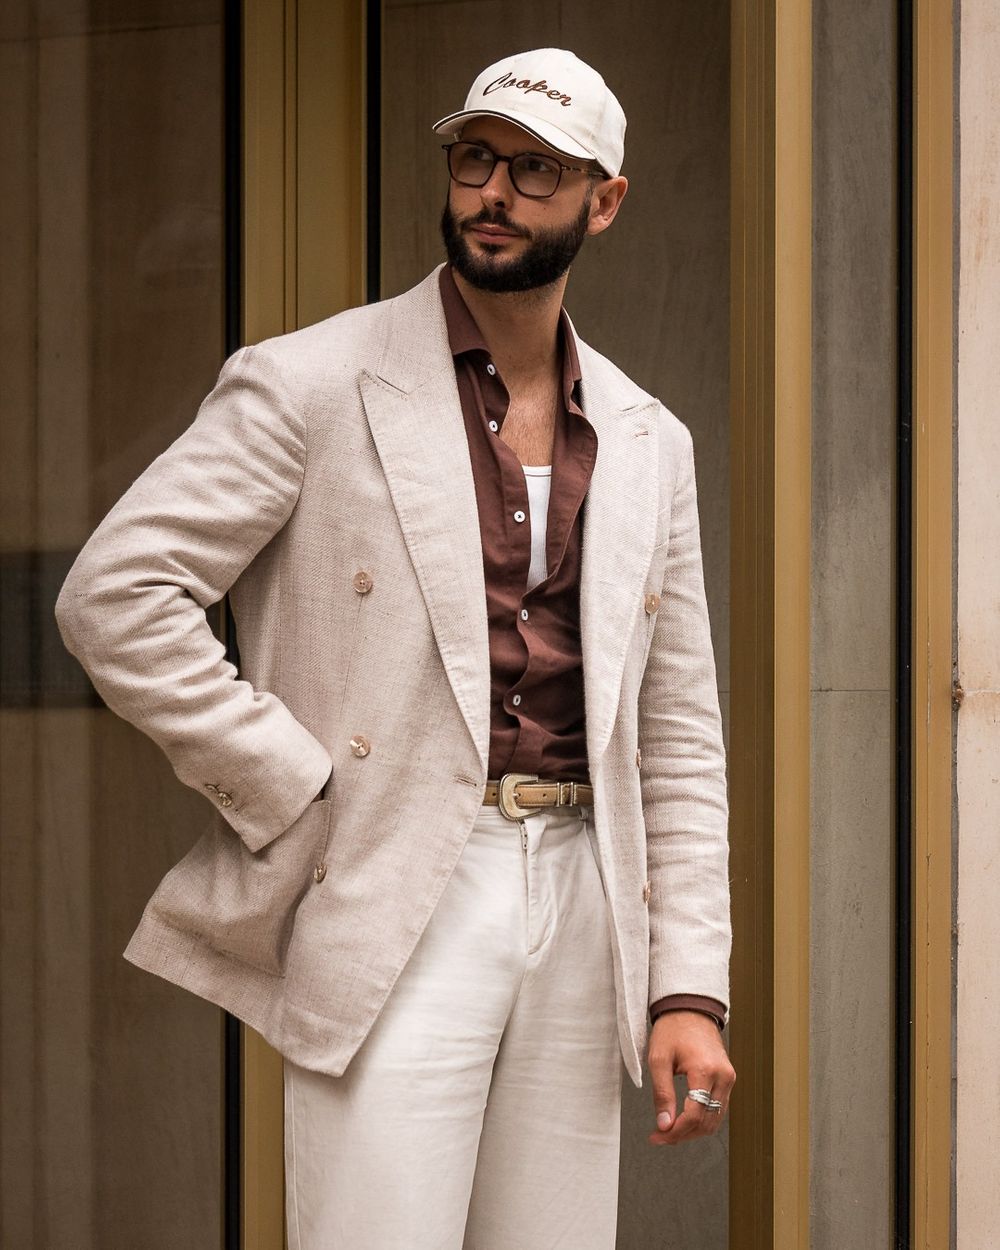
{"points": [[496, 218]]}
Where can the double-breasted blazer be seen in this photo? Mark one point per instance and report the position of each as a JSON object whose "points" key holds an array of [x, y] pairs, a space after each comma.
{"points": [[340, 450]]}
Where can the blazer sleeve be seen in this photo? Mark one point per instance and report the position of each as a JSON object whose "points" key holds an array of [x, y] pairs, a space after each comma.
{"points": [[132, 608], [683, 775]]}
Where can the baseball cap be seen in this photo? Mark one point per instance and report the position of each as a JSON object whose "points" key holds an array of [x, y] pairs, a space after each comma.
{"points": [[554, 96]]}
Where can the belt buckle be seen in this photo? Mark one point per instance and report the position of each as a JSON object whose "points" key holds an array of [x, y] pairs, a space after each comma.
{"points": [[506, 801]]}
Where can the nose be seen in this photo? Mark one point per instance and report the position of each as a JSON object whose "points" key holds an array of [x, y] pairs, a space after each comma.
{"points": [[498, 190]]}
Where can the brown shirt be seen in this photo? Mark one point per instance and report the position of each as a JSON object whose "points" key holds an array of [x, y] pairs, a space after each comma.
{"points": [[536, 663]]}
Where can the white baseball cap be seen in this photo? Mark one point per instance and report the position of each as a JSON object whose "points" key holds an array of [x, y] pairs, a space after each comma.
{"points": [[554, 96]]}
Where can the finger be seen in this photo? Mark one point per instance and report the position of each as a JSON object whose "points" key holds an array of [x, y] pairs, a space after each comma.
{"points": [[684, 1128], [720, 1093], [722, 1090], [699, 1092], [714, 1115], [664, 1093], [693, 1119]]}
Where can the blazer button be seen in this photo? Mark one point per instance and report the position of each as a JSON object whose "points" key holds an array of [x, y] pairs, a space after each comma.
{"points": [[360, 745], [652, 603], [362, 582], [225, 800], [319, 872], [646, 891]]}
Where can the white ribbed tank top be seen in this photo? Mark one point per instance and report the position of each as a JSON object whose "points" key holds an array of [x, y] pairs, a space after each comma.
{"points": [[538, 479]]}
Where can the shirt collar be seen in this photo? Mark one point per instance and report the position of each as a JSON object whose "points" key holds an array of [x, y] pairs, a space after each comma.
{"points": [[465, 336]]}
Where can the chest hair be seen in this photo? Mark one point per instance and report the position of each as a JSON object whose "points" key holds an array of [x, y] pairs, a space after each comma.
{"points": [[529, 427]]}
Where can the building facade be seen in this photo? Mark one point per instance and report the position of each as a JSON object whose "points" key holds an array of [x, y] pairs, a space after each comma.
{"points": [[807, 271]]}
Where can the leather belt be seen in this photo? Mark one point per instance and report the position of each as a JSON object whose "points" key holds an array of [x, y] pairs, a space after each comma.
{"points": [[520, 794]]}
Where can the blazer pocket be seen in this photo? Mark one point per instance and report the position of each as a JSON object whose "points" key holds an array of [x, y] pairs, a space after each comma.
{"points": [[243, 903]]}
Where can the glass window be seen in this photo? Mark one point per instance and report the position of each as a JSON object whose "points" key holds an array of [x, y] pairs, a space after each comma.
{"points": [[111, 221]]}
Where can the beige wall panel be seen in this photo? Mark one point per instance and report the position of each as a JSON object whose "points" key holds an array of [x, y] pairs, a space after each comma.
{"points": [[852, 973], [852, 597], [854, 359], [653, 294], [978, 1092], [978, 1075]]}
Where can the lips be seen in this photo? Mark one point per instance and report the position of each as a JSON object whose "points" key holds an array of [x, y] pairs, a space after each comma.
{"points": [[494, 233]]}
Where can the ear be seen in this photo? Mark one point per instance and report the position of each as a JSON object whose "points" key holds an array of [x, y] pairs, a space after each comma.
{"points": [[608, 195]]}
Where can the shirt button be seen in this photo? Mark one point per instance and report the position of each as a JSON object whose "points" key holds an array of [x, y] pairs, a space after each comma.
{"points": [[519, 516], [652, 603], [491, 369], [647, 890], [362, 582], [360, 745], [494, 426], [638, 757], [319, 872], [524, 614], [516, 700]]}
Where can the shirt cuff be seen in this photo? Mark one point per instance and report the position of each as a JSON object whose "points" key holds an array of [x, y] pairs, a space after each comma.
{"points": [[690, 1002]]}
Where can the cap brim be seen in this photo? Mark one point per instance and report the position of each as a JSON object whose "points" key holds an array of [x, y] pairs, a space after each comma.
{"points": [[549, 134]]}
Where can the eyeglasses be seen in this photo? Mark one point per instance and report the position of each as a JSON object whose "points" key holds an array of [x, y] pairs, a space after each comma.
{"points": [[532, 174]]}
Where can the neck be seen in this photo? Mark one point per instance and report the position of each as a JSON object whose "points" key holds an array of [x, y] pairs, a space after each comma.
{"points": [[521, 328]]}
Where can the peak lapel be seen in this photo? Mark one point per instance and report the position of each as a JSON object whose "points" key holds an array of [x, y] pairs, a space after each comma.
{"points": [[619, 533], [415, 417]]}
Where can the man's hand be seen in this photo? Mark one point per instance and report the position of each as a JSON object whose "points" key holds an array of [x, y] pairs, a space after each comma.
{"points": [[690, 1043]]}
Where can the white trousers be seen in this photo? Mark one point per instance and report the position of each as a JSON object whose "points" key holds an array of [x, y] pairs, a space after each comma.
{"points": [[482, 1110]]}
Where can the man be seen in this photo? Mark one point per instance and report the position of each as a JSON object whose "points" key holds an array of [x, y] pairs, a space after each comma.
{"points": [[470, 826]]}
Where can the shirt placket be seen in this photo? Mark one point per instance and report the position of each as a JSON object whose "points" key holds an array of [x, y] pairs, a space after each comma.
{"points": [[515, 510]]}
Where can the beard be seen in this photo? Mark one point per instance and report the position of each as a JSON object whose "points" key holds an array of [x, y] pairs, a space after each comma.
{"points": [[548, 255]]}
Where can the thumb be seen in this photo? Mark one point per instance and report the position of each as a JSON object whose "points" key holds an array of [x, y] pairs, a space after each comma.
{"points": [[664, 1097]]}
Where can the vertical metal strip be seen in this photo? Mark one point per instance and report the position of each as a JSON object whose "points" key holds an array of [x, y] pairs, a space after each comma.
{"points": [[232, 1130], [232, 1114], [373, 150], [771, 356], [233, 173], [751, 1130], [903, 746], [933, 322], [792, 535]]}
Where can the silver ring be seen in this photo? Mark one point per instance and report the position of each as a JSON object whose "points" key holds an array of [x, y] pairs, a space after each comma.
{"points": [[701, 1096], [715, 1105]]}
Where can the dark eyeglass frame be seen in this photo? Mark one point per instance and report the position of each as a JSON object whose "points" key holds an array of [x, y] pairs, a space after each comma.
{"points": [[498, 159]]}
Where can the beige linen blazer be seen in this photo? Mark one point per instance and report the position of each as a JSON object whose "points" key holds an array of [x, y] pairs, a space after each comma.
{"points": [[341, 449]]}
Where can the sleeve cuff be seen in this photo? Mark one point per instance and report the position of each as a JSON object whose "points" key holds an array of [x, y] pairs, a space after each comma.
{"points": [[690, 1002]]}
